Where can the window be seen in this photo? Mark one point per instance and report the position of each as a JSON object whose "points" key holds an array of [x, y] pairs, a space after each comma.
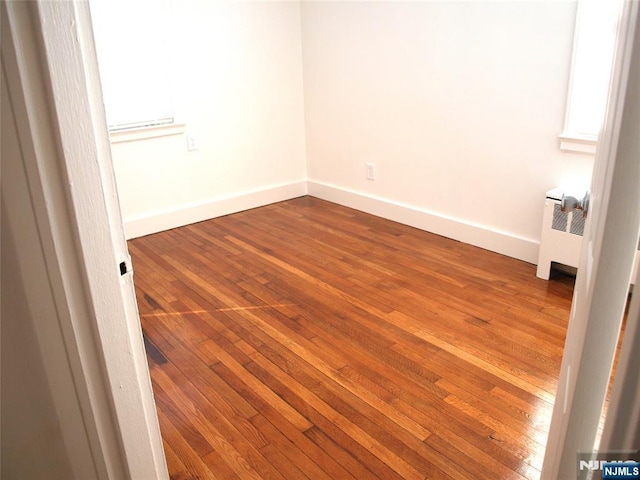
{"points": [[134, 71], [593, 51]]}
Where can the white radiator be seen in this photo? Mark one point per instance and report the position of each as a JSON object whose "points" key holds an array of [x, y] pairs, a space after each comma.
{"points": [[561, 238]]}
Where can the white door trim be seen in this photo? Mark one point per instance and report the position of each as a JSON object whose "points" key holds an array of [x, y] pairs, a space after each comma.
{"points": [[622, 425], [53, 81], [604, 273], [53, 85]]}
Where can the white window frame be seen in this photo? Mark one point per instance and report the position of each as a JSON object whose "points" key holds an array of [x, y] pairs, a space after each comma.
{"points": [[136, 19], [595, 20]]}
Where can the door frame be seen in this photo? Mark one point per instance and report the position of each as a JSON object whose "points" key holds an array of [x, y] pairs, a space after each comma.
{"points": [[604, 273], [51, 73], [622, 425], [53, 83]]}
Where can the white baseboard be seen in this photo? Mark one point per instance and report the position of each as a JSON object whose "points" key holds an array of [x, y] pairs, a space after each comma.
{"points": [[168, 219], [478, 235], [457, 229]]}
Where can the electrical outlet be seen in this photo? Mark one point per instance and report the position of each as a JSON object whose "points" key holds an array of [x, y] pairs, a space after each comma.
{"points": [[371, 171], [192, 143]]}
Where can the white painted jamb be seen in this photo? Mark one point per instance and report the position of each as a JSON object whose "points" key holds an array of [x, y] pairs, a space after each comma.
{"points": [[61, 120]]}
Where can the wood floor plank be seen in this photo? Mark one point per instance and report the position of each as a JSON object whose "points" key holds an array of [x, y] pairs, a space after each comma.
{"points": [[316, 451], [239, 453], [190, 463], [498, 355], [291, 454], [359, 411], [216, 463], [174, 464], [326, 373], [308, 340], [322, 412]]}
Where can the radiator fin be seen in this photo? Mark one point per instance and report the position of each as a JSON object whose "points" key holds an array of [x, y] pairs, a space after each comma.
{"points": [[560, 219], [567, 222], [577, 224]]}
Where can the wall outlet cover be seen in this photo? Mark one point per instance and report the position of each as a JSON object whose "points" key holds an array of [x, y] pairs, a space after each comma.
{"points": [[192, 143], [371, 171]]}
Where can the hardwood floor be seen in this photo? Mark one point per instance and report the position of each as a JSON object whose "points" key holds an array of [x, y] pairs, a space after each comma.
{"points": [[307, 340]]}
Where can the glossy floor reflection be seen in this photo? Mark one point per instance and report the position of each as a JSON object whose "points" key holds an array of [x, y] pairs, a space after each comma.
{"points": [[308, 340]]}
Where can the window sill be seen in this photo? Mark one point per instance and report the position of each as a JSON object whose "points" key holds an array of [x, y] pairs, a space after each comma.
{"points": [[585, 144], [145, 133]]}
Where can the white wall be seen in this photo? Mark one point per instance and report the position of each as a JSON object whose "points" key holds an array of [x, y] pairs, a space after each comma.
{"points": [[458, 104], [237, 81]]}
